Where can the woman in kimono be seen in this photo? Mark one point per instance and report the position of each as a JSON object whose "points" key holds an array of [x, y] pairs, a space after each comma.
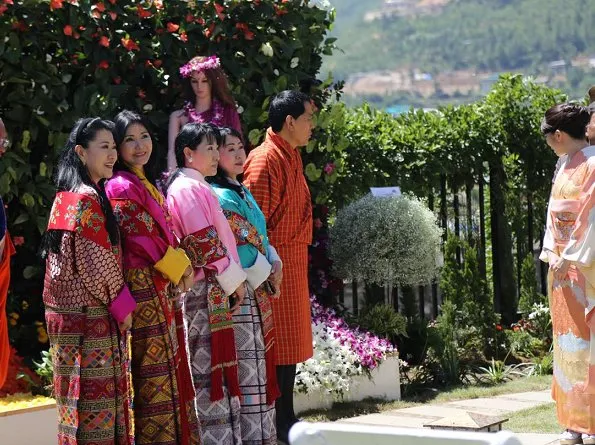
{"points": [[568, 248], [208, 100], [155, 272], [88, 307], [219, 283], [253, 324]]}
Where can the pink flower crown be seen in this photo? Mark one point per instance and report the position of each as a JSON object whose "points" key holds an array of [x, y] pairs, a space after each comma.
{"points": [[197, 66]]}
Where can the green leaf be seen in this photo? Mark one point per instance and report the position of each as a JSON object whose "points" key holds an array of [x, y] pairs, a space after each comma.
{"points": [[30, 272], [22, 218], [27, 200], [43, 169]]}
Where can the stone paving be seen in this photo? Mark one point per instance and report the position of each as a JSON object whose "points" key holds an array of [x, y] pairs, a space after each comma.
{"points": [[503, 405]]}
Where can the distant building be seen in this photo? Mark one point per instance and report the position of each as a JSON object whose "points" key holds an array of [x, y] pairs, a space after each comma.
{"points": [[557, 67]]}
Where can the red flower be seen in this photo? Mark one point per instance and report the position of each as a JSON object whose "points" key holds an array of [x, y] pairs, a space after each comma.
{"points": [[3, 9], [76, 35], [113, 15], [280, 11], [248, 35], [56, 4], [103, 65], [200, 21], [183, 37], [100, 6], [157, 63], [130, 44], [19, 26], [142, 94], [209, 31], [498, 327], [142, 12], [68, 30], [219, 9], [113, 2], [104, 41], [18, 240], [96, 14], [172, 27], [189, 18], [117, 80]]}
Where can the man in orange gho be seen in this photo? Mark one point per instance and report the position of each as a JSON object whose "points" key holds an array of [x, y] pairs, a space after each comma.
{"points": [[6, 250]]}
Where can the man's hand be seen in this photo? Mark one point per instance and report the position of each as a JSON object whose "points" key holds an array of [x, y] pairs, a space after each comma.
{"points": [[276, 275]]}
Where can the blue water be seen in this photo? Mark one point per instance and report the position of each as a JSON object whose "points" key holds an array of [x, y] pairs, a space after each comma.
{"points": [[398, 108]]}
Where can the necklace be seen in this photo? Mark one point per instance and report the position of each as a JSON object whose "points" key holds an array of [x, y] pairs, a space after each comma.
{"points": [[213, 115]]}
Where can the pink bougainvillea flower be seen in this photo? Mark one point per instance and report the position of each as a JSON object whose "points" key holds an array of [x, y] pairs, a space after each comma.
{"points": [[103, 65], [18, 240], [157, 63], [104, 41], [117, 80], [142, 94], [317, 223], [329, 168], [68, 30], [158, 4], [183, 37], [56, 4], [189, 18], [100, 6], [113, 15], [172, 27]]}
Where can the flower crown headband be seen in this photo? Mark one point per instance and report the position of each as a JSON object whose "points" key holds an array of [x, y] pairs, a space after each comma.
{"points": [[197, 66]]}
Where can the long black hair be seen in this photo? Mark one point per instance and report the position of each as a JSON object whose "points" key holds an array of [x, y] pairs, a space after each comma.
{"points": [[123, 120], [222, 178], [191, 135], [71, 173]]}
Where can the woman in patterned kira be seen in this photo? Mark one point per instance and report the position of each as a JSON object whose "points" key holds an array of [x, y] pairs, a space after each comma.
{"points": [[219, 283], [156, 273], [88, 307]]}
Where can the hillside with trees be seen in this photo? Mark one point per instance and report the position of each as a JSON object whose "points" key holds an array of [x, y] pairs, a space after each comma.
{"points": [[483, 35]]}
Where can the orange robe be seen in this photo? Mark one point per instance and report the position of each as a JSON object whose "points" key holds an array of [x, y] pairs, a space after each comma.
{"points": [[4, 283], [274, 175], [570, 234]]}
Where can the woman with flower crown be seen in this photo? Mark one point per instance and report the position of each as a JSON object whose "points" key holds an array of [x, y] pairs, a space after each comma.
{"points": [[208, 100]]}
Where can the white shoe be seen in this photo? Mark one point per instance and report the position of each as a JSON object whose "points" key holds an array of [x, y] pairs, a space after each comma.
{"points": [[588, 439], [571, 438]]}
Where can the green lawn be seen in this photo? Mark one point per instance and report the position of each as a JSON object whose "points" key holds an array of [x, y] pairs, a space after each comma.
{"points": [[541, 419], [369, 406]]}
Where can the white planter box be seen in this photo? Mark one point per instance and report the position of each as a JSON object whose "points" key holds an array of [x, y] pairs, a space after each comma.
{"points": [[384, 383], [29, 426]]}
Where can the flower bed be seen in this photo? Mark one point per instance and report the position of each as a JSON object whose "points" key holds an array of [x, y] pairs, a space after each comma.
{"points": [[28, 420], [348, 364]]}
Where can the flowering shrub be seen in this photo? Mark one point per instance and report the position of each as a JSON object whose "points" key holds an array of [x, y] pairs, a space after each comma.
{"points": [[340, 353], [387, 239], [63, 59]]}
